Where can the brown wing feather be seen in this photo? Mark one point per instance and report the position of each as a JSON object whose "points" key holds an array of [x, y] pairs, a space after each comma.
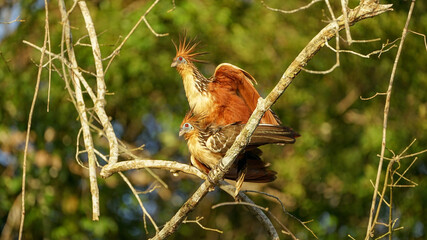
{"points": [[222, 137], [256, 169], [240, 83], [271, 134]]}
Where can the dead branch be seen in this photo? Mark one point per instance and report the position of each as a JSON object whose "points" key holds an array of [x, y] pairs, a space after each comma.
{"points": [[258, 213], [99, 104], [148, 163], [422, 35], [142, 18], [145, 213], [13, 21], [344, 6], [148, 24], [289, 11], [370, 228], [337, 42], [81, 108], [363, 11], [197, 221], [304, 224], [285, 229], [27, 136]]}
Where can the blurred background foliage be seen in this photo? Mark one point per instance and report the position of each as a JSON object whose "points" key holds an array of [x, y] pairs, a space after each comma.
{"points": [[324, 177]]}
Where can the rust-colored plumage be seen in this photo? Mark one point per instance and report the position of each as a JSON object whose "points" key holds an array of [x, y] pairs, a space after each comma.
{"points": [[227, 97]]}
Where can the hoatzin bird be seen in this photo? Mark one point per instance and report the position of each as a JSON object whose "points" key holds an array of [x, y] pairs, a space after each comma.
{"points": [[208, 144], [227, 97]]}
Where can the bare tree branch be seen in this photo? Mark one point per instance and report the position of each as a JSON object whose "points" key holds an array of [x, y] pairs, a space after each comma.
{"points": [[27, 136], [163, 164], [290, 11], [142, 18], [197, 221], [13, 21], [99, 104], [422, 35], [148, 24], [82, 112], [370, 228], [258, 213], [344, 6]]}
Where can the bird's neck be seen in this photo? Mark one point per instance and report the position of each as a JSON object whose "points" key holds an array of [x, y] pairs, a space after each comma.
{"points": [[196, 89]]}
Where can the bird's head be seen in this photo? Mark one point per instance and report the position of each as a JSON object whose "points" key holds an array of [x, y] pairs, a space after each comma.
{"points": [[185, 54], [186, 130]]}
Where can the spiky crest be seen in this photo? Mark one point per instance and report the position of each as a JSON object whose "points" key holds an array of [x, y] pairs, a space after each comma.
{"points": [[186, 49]]}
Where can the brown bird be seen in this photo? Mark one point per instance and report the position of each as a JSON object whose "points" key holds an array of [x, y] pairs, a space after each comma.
{"points": [[225, 98], [208, 144]]}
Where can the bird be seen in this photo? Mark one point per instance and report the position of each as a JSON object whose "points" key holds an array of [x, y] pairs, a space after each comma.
{"points": [[228, 96], [209, 143]]}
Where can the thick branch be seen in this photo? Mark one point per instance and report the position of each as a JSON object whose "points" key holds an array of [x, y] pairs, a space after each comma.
{"points": [[101, 88], [87, 137], [161, 164], [359, 13]]}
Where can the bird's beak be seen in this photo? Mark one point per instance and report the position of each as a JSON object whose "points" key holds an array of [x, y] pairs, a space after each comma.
{"points": [[181, 132], [174, 64]]}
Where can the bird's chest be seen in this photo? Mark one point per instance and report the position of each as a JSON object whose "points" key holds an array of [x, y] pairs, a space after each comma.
{"points": [[200, 101]]}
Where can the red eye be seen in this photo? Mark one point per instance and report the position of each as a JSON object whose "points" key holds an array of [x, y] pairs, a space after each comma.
{"points": [[186, 125], [180, 58]]}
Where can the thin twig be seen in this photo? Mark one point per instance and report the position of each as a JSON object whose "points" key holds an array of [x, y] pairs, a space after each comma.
{"points": [[239, 203], [75, 69], [135, 193], [286, 230], [148, 24], [290, 11], [123, 149], [422, 35], [284, 210], [142, 18], [380, 51], [372, 97], [173, 6], [370, 228], [337, 41], [27, 136], [197, 221], [258, 213], [16, 20], [46, 6]]}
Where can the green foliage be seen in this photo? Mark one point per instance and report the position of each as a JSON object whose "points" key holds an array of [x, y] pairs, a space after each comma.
{"points": [[325, 176]]}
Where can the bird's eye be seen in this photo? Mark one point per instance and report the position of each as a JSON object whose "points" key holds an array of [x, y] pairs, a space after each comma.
{"points": [[186, 125], [179, 58]]}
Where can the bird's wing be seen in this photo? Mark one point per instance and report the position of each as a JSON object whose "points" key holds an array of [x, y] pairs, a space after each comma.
{"points": [[241, 82], [272, 134], [219, 141], [220, 138]]}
